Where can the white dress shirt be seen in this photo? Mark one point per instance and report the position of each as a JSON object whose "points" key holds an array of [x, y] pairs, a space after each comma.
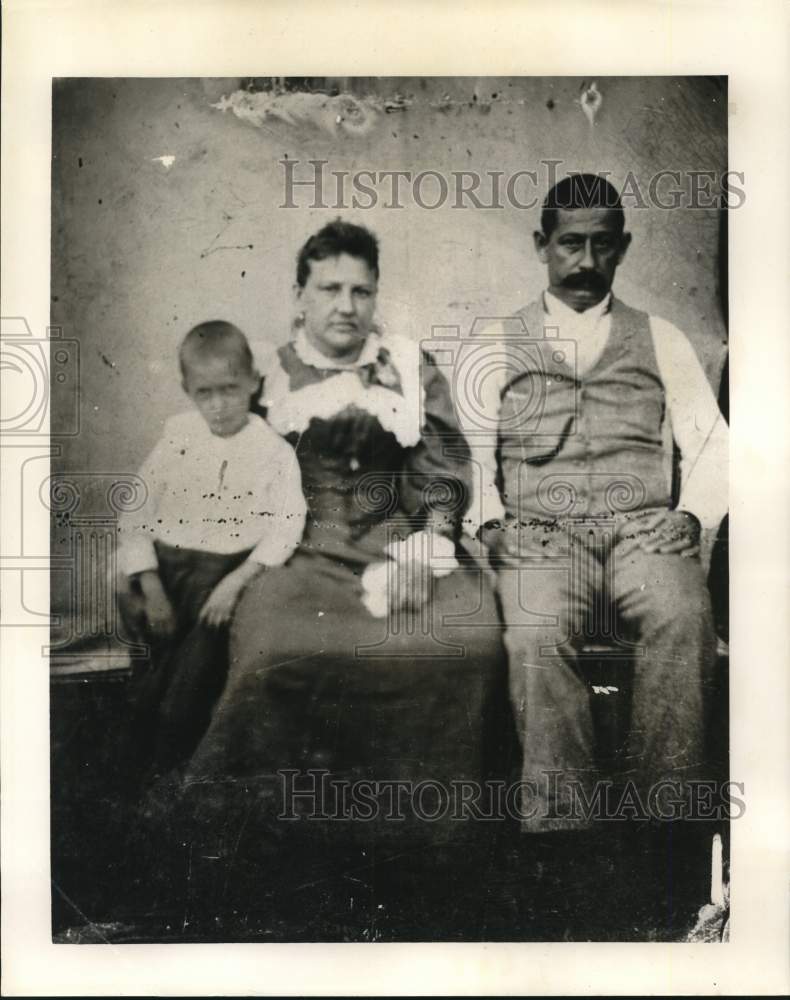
{"points": [[216, 494], [697, 426]]}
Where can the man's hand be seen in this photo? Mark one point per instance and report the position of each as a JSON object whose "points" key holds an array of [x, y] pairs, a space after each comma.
{"points": [[492, 535], [664, 532], [218, 609], [158, 609]]}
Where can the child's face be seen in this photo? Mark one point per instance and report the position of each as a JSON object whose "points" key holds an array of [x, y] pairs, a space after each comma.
{"points": [[221, 390]]}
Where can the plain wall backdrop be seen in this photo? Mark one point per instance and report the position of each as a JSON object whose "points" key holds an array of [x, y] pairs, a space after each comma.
{"points": [[145, 247]]}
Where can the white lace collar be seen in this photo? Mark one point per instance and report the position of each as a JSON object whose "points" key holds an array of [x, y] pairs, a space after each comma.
{"points": [[400, 412], [310, 355]]}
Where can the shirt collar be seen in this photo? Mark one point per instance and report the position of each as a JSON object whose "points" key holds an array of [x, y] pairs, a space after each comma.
{"points": [[310, 355], [197, 431], [559, 310]]}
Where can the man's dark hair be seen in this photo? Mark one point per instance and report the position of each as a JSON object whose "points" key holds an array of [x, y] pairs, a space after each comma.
{"points": [[580, 191], [215, 339], [334, 239]]}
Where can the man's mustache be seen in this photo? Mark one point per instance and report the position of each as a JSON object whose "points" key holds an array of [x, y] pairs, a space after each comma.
{"points": [[590, 281]]}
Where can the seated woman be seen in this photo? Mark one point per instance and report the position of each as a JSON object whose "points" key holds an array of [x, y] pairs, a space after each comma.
{"points": [[374, 654]]}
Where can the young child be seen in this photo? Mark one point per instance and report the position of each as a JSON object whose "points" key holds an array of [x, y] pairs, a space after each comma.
{"points": [[224, 501]]}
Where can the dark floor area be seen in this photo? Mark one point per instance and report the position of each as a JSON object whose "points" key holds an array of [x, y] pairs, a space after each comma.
{"points": [[498, 886]]}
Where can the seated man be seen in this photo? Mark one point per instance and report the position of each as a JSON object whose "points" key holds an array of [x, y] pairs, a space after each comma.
{"points": [[582, 524]]}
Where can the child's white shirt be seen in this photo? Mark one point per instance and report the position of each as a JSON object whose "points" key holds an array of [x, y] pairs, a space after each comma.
{"points": [[216, 494]]}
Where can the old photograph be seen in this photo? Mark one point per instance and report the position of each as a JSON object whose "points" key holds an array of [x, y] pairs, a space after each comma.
{"points": [[389, 508]]}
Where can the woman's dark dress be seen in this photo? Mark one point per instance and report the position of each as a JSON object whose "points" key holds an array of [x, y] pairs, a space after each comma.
{"points": [[316, 683]]}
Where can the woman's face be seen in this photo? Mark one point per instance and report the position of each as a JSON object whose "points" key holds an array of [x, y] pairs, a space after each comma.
{"points": [[338, 301]]}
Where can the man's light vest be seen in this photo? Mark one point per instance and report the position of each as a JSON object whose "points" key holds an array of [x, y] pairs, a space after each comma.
{"points": [[582, 446]]}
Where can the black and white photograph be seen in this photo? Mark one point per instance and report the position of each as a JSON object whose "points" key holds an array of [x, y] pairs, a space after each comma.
{"points": [[390, 544], [392, 552]]}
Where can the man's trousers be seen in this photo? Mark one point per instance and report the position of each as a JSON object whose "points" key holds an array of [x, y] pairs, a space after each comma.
{"points": [[570, 584]]}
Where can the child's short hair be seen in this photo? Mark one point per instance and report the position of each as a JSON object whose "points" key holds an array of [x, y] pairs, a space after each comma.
{"points": [[215, 339]]}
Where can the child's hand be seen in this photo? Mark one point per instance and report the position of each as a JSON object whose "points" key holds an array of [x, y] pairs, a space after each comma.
{"points": [[158, 609], [161, 618], [218, 609]]}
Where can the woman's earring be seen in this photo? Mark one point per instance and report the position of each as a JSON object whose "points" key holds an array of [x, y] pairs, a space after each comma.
{"points": [[299, 319]]}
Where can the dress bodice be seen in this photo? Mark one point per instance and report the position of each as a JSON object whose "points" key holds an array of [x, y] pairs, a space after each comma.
{"points": [[349, 466], [369, 440], [335, 453]]}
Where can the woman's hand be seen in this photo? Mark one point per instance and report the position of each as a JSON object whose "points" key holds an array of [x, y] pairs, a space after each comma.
{"points": [[419, 558], [410, 585], [394, 586], [404, 581], [218, 609]]}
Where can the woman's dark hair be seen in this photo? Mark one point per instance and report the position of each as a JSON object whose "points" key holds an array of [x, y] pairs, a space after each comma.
{"points": [[580, 191], [335, 238]]}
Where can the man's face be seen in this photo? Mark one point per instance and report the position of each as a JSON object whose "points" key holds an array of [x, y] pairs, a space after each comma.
{"points": [[221, 391], [338, 300], [582, 254]]}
